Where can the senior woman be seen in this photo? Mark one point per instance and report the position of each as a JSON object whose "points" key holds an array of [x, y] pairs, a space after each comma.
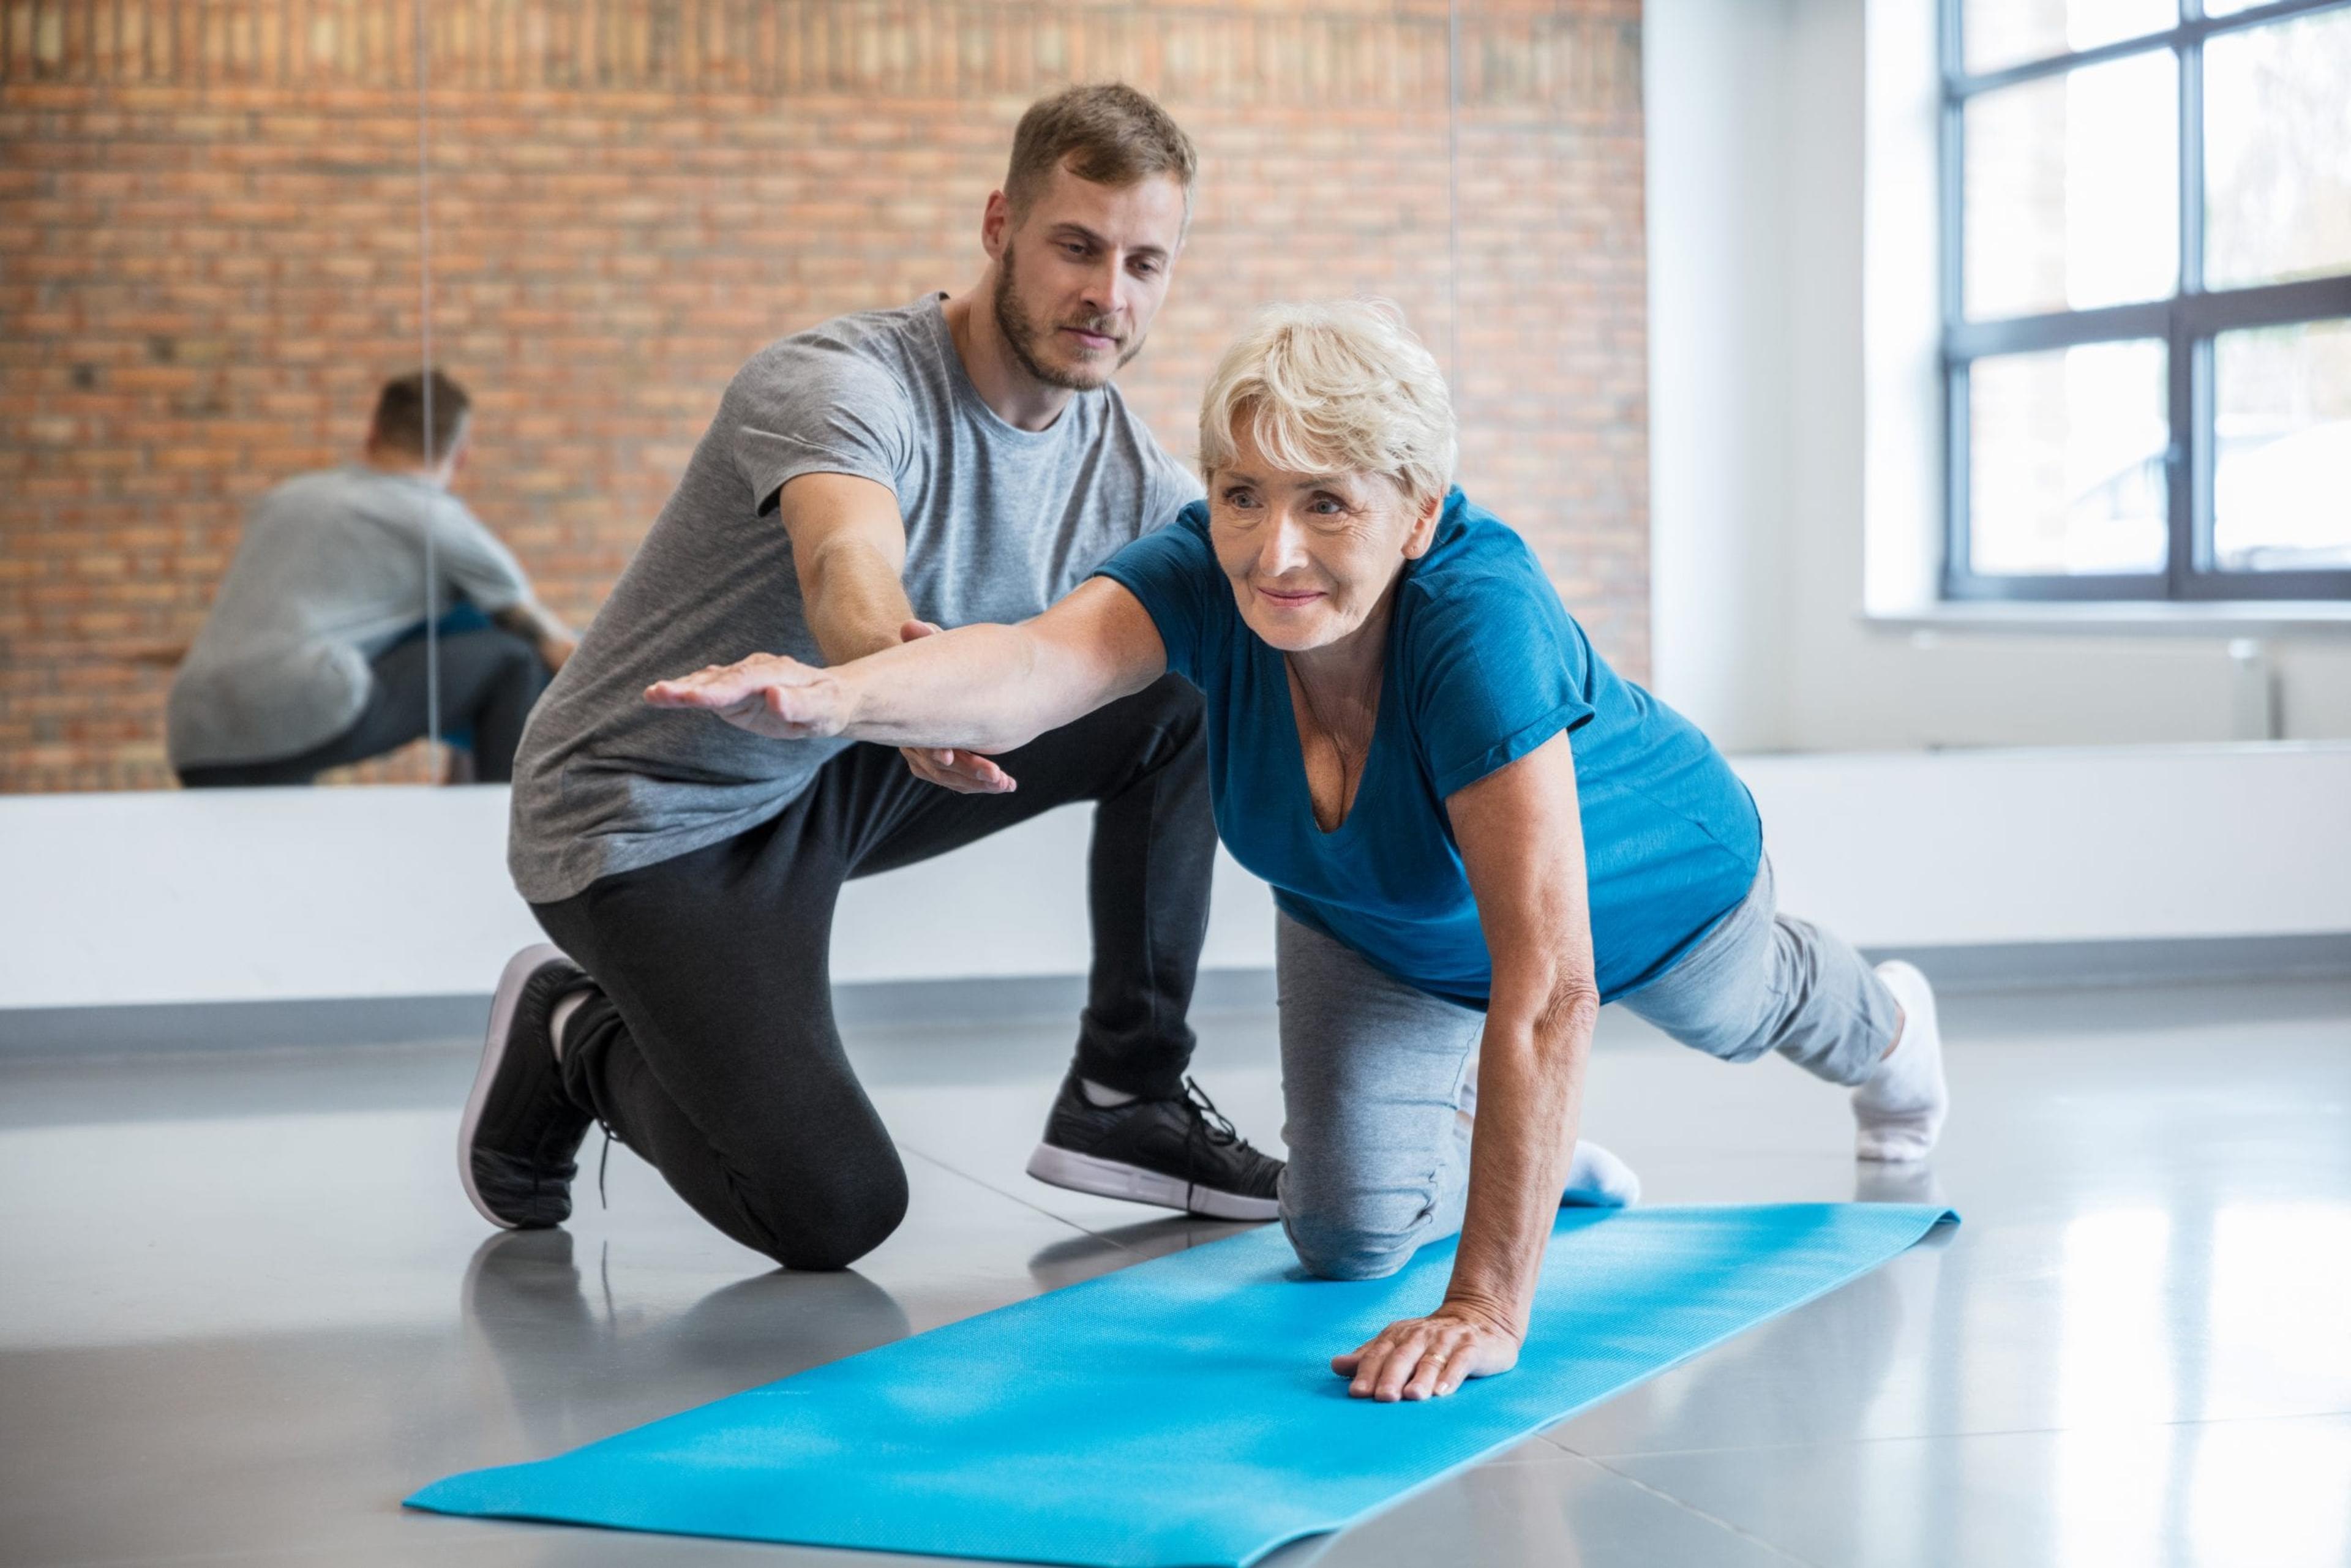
{"points": [[1477, 832]]}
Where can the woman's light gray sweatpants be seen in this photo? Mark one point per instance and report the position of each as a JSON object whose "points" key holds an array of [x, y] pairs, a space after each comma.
{"points": [[1378, 1079]]}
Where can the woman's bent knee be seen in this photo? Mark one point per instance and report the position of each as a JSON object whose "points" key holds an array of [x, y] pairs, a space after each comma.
{"points": [[1338, 1250]]}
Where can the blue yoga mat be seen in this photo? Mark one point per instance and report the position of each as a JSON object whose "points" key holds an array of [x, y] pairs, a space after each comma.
{"points": [[1182, 1412]]}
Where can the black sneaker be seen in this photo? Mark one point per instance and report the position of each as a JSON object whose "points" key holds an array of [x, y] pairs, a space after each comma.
{"points": [[520, 1129], [1178, 1153]]}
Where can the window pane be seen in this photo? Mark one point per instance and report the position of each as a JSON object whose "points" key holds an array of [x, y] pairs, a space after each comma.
{"points": [[2065, 470], [2282, 418], [2072, 190], [2277, 151], [2008, 32]]}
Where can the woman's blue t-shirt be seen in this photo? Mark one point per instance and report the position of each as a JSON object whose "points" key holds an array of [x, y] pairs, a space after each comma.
{"points": [[1483, 665]]}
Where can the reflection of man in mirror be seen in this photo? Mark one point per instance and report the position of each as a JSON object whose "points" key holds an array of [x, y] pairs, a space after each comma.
{"points": [[315, 655], [962, 458]]}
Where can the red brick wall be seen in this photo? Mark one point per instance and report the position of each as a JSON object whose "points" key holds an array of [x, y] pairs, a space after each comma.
{"points": [[209, 257]]}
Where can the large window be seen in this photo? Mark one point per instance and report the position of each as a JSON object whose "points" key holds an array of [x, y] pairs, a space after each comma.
{"points": [[2146, 299]]}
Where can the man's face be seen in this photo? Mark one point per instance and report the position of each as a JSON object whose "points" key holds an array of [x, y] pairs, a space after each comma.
{"points": [[1081, 275]]}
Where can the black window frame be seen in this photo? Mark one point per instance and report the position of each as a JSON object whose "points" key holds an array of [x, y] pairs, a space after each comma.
{"points": [[2187, 323]]}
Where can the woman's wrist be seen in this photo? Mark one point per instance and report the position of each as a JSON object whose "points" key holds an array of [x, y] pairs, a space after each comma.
{"points": [[851, 697], [1502, 1316]]}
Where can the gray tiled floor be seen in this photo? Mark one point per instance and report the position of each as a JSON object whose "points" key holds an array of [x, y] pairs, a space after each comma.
{"points": [[243, 1309]]}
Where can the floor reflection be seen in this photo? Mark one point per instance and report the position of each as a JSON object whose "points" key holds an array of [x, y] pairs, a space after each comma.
{"points": [[1084, 1257], [561, 1348], [1873, 1181]]}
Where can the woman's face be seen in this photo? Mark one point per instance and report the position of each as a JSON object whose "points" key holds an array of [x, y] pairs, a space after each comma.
{"points": [[1310, 555]]}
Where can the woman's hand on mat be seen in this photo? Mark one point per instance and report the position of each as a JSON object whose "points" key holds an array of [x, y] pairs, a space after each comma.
{"points": [[962, 770], [766, 694], [1427, 1358]]}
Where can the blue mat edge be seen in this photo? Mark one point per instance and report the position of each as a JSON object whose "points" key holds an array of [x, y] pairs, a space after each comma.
{"points": [[1929, 1218]]}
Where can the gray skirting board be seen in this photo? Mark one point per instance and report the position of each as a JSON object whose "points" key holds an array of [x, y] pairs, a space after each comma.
{"points": [[388, 1020]]}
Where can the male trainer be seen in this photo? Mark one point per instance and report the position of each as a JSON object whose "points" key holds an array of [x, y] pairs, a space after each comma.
{"points": [[962, 458]]}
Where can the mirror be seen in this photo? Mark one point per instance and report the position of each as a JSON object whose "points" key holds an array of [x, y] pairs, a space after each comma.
{"points": [[221, 272], [614, 203]]}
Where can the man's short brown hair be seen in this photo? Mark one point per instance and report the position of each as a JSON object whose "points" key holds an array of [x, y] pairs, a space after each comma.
{"points": [[1107, 132], [400, 416]]}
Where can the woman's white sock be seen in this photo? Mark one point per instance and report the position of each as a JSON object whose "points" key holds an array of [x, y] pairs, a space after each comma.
{"points": [[1598, 1179], [1898, 1110]]}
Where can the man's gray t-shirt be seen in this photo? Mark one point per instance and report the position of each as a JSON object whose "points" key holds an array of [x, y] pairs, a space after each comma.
{"points": [[1000, 522], [329, 573]]}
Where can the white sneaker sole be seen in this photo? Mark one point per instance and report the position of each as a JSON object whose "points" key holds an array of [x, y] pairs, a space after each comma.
{"points": [[517, 972], [1109, 1179]]}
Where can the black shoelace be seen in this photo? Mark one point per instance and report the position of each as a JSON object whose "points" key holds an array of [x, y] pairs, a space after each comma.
{"points": [[1209, 1126], [1212, 1123]]}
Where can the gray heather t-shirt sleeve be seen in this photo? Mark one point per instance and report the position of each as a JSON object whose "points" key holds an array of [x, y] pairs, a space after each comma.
{"points": [[472, 561], [808, 407], [1175, 485]]}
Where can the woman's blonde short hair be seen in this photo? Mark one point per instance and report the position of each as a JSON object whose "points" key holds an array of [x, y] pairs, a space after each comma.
{"points": [[1337, 387]]}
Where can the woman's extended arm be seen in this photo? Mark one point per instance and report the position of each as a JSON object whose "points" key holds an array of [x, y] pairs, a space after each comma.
{"points": [[990, 688], [1521, 842]]}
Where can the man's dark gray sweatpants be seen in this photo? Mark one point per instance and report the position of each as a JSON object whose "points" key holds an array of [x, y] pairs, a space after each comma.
{"points": [[708, 1044]]}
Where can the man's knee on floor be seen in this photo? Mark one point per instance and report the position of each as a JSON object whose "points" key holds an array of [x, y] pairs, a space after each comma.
{"points": [[824, 1228]]}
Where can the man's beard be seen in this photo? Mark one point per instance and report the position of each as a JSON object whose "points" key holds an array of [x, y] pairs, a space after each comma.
{"points": [[1025, 338]]}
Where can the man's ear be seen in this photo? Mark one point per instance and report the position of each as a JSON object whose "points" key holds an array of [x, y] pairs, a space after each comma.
{"points": [[995, 222]]}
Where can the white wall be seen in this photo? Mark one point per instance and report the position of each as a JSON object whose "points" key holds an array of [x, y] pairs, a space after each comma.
{"points": [[1718, 364], [269, 894], [1956, 849], [1758, 128], [272, 895]]}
